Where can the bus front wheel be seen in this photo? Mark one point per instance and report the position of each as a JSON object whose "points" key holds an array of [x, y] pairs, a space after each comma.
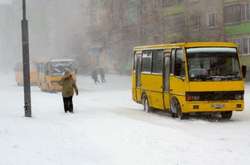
{"points": [[146, 106], [226, 115], [176, 111]]}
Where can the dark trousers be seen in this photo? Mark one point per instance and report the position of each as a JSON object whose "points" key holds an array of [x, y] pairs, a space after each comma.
{"points": [[68, 104]]}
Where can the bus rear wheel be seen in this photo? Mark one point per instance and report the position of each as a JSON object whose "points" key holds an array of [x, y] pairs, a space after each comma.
{"points": [[226, 115]]}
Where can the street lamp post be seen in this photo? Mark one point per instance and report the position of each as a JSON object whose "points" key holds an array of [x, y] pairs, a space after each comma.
{"points": [[26, 63]]}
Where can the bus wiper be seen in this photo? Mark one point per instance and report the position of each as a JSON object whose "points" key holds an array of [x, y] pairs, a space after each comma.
{"points": [[226, 77], [201, 77], [232, 77], [216, 78]]}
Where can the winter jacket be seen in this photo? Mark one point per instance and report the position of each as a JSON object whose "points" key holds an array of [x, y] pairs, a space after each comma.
{"points": [[68, 86]]}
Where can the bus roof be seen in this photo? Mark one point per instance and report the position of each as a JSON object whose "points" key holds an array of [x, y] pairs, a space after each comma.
{"points": [[61, 60], [186, 45]]}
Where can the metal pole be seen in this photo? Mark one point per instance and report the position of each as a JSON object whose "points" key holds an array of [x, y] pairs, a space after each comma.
{"points": [[26, 63]]}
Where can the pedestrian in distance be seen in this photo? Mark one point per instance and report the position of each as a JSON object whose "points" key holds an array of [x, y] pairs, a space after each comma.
{"points": [[102, 74], [94, 76], [68, 88]]}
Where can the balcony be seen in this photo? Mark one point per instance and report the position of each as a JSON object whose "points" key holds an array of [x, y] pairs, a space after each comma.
{"points": [[173, 10], [230, 1], [239, 29]]}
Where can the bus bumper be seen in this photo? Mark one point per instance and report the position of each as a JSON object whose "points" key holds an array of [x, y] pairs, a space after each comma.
{"points": [[213, 106]]}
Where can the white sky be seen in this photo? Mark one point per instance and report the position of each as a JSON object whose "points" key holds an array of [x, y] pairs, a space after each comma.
{"points": [[5, 1]]}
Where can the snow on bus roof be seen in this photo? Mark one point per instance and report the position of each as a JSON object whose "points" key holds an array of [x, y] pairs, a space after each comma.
{"points": [[186, 45], [61, 60], [211, 50]]}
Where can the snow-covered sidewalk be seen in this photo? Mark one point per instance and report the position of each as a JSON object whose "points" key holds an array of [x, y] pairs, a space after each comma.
{"points": [[108, 128]]}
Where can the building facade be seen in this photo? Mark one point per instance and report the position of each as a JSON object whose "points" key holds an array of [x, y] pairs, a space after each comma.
{"points": [[213, 20], [124, 24], [237, 26]]}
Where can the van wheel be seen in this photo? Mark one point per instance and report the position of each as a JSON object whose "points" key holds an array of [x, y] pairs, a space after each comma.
{"points": [[226, 115], [176, 111], [146, 106]]}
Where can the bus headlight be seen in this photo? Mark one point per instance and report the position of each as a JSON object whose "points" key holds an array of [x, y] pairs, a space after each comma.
{"points": [[192, 98], [238, 96]]}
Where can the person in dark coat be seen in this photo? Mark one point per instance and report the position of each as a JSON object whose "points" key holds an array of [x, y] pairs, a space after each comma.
{"points": [[68, 88], [102, 74], [94, 76]]}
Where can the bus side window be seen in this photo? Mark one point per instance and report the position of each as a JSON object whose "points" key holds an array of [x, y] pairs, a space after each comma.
{"points": [[157, 61], [138, 69], [166, 71], [47, 69], [134, 60], [147, 61], [172, 61], [179, 66]]}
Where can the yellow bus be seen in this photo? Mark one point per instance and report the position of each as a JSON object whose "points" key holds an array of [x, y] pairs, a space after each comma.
{"points": [[51, 72], [33, 74], [185, 78]]}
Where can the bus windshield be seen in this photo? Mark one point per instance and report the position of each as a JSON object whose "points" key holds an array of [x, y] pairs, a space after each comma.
{"points": [[58, 68], [213, 64]]}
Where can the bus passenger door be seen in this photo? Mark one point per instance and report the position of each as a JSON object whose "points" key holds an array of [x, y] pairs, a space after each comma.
{"points": [[177, 74], [138, 77], [166, 84]]}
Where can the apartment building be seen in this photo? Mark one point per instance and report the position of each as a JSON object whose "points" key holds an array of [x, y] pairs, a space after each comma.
{"points": [[140, 22], [237, 26], [213, 20]]}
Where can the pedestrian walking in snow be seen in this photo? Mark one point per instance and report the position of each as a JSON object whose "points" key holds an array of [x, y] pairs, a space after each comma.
{"points": [[94, 76], [68, 88], [102, 74]]}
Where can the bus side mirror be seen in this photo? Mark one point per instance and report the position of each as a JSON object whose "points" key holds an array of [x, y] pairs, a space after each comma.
{"points": [[244, 70]]}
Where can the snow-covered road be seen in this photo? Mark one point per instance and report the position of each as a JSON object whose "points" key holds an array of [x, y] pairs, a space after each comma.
{"points": [[108, 128]]}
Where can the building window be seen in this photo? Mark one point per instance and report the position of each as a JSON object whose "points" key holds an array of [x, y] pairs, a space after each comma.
{"points": [[168, 3], [244, 45], [179, 1], [164, 3], [157, 4], [193, 1], [232, 14], [195, 22], [237, 13], [245, 12], [175, 23], [211, 20]]}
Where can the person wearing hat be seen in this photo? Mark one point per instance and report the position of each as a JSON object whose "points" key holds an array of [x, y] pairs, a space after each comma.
{"points": [[68, 87]]}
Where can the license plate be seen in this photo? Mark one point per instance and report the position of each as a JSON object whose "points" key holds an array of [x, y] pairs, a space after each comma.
{"points": [[218, 106]]}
